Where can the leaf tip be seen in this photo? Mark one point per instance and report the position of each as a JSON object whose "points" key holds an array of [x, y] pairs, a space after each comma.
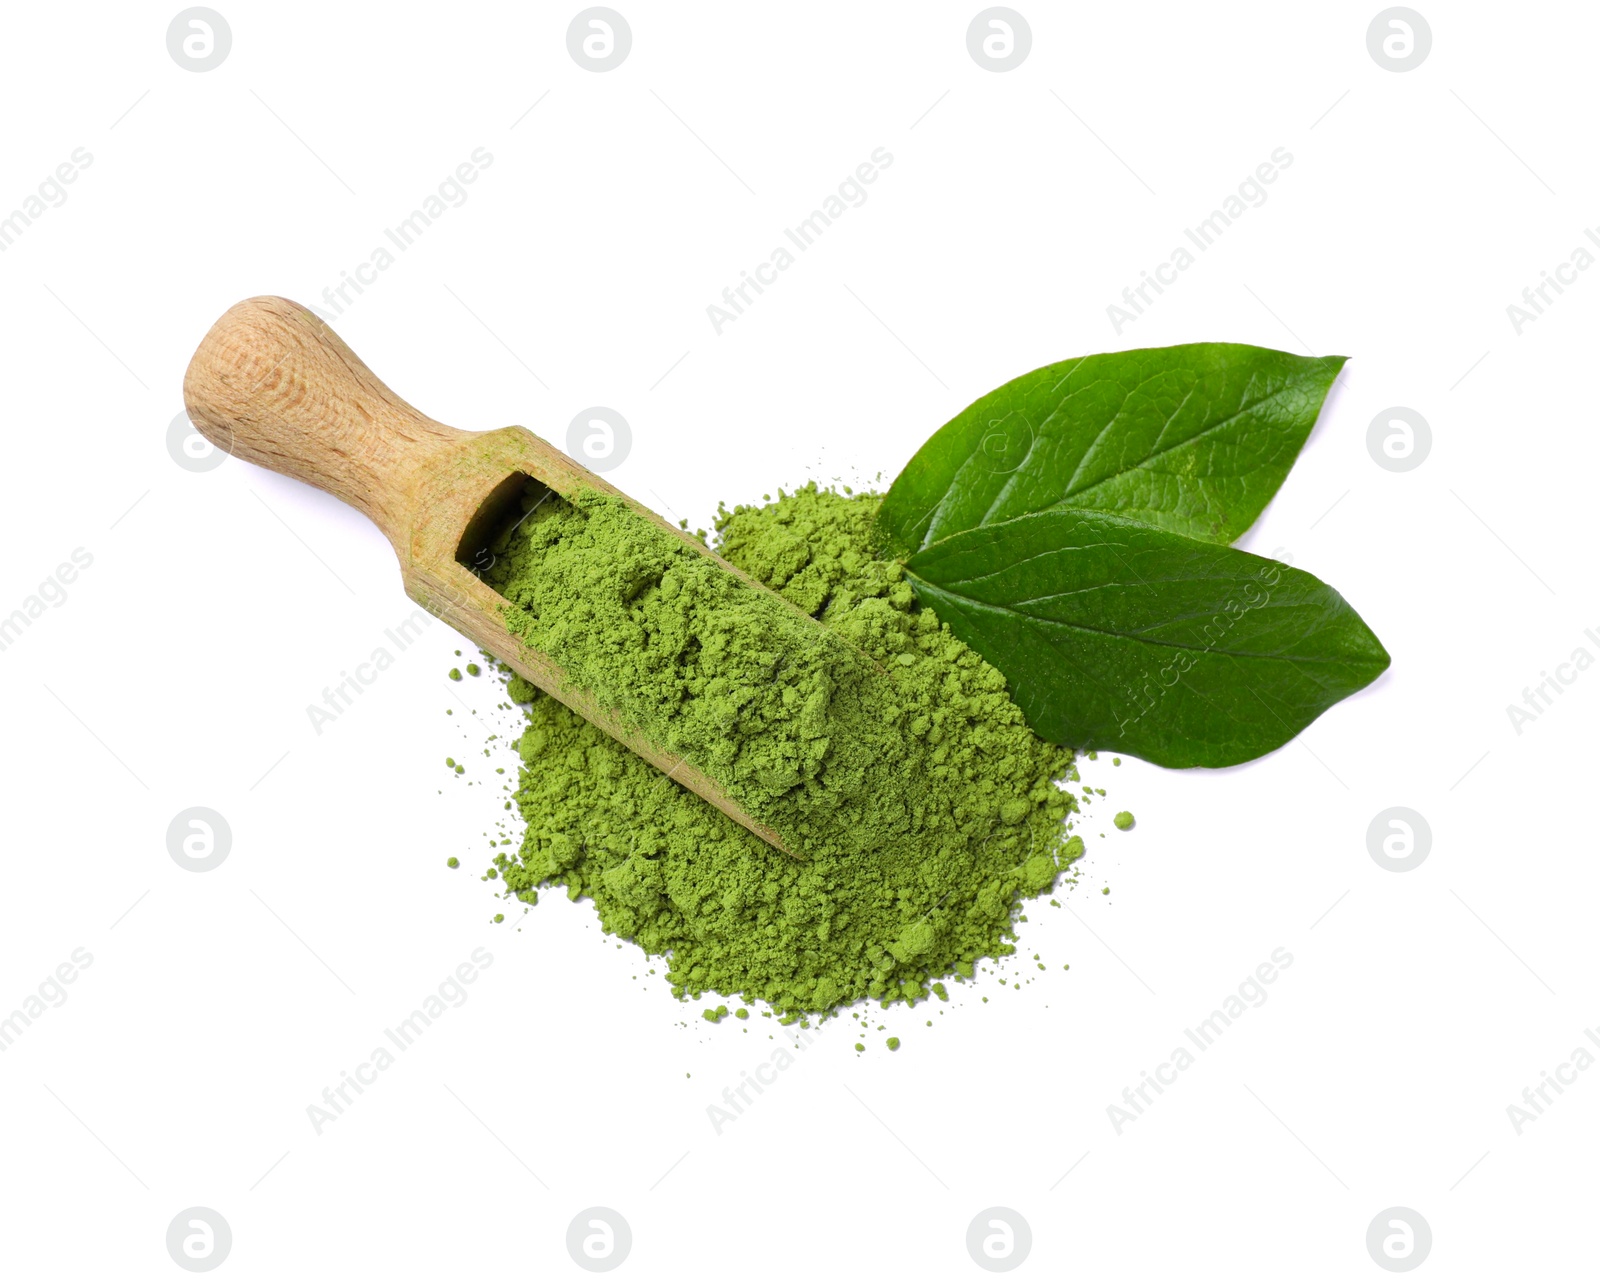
{"points": [[1381, 661]]}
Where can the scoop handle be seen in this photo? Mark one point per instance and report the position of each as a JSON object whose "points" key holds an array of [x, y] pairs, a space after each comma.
{"points": [[273, 384]]}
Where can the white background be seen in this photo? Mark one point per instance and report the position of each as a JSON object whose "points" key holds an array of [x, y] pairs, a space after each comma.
{"points": [[178, 670]]}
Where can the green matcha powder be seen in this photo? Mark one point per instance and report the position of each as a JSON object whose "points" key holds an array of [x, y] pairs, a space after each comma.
{"points": [[920, 808]]}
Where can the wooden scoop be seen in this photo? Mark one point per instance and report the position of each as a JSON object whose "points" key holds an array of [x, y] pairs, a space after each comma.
{"points": [[272, 384]]}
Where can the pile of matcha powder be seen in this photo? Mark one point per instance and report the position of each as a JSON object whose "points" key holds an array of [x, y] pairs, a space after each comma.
{"points": [[920, 809]]}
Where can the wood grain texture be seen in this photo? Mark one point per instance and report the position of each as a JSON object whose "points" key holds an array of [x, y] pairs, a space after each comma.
{"points": [[271, 383]]}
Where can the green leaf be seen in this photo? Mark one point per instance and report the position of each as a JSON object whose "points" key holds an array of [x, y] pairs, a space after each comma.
{"points": [[1194, 438], [1115, 635]]}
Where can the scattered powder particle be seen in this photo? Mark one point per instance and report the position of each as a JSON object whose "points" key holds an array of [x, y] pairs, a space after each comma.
{"points": [[741, 1013], [887, 753], [499, 917], [1123, 820], [860, 1048], [474, 669], [455, 673], [893, 1042], [452, 863]]}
